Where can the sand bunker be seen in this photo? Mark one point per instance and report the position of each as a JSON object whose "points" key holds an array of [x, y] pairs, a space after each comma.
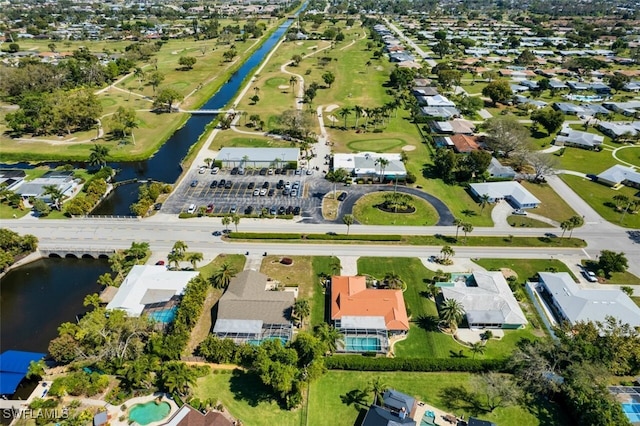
{"points": [[331, 107], [408, 148], [332, 119], [283, 86]]}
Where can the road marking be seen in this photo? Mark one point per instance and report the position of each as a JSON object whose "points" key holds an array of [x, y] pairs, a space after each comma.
{"points": [[586, 254]]}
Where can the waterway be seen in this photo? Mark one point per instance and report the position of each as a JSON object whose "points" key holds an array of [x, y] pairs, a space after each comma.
{"points": [[38, 297], [164, 165]]}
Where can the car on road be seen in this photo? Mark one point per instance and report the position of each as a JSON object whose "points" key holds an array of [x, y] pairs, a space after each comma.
{"points": [[217, 233], [160, 263], [296, 210], [214, 184], [209, 208], [157, 206], [342, 196], [215, 170], [202, 170], [519, 212], [228, 185], [191, 209], [251, 185], [256, 192], [194, 183], [589, 275], [263, 192]]}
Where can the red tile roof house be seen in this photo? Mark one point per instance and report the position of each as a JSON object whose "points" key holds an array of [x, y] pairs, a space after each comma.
{"points": [[464, 143], [367, 317]]}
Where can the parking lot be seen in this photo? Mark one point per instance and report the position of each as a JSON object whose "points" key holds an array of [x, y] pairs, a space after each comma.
{"points": [[249, 193]]}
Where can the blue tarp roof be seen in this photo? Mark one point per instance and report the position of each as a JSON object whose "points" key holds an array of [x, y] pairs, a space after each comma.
{"points": [[13, 367]]}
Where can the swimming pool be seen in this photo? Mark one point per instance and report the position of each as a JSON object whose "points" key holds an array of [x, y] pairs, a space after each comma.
{"points": [[632, 410], [150, 412], [362, 344], [166, 316], [585, 98], [257, 342]]}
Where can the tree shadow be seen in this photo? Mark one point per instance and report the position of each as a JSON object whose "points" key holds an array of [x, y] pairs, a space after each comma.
{"points": [[358, 398], [459, 354], [249, 388], [428, 322], [459, 398], [469, 212], [446, 238]]}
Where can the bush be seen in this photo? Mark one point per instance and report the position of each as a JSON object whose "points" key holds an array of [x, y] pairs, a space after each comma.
{"points": [[286, 261], [361, 363]]}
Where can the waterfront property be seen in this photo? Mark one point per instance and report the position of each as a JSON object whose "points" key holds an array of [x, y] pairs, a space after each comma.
{"points": [[63, 181], [367, 165], [14, 366], [620, 175], [249, 313], [258, 157], [367, 317], [513, 192], [486, 298], [151, 290], [567, 301]]}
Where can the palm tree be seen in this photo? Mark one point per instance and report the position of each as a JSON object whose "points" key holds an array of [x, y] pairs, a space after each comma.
{"points": [[433, 290], [208, 161], [302, 309], [175, 257], [484, 200], [466, 228], [222, 277], [226, 220], [357, 109], [452, 312], [116, 262], [576, 221], [382, 163], [194, 258], [566, 225], [293, 80], [378, 387], [458, 223], [180, 246], [92, 300], [98, 156], [447, 252], [134, 373], [329, 336], [344, 113], [177, 377], [36, 369], [477, 348], [348, 220], [55, 194], [393, 280], [105, 280], [236, 220]]}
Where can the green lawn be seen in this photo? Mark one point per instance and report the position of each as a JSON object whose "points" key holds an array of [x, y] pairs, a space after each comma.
{"points": [[327, 408], [552, 205], [246, 398], [376, 145], [630, 154], [525, 268], [600, 197], [236, 261], [625, 277], [524, 221], [366, 213], [585, 161]]}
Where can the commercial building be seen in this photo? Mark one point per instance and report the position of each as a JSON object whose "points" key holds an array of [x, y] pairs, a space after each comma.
{"points": [[258, 157], [369, 165]]}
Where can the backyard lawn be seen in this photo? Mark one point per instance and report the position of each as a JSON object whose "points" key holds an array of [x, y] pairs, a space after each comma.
{"points": [[552, 205], [327, 395], [366, 212], [630, 154], [585, 161], [600, 198]]}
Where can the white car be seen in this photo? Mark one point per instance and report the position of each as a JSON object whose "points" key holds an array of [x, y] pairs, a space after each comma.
{"points": [[191, 209], [202, 170], [519, 212], [256, 192], [215, 170], [590, 276], [263, 192]]}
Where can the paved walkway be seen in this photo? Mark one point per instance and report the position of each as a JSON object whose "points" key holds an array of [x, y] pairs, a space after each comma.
{"points": [[349, 265], [460, 264]]}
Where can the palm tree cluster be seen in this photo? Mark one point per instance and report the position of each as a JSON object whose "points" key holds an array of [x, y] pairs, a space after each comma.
{"points": [[373, 116]]}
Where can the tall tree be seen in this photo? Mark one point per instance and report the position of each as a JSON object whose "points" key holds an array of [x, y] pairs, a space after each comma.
{"points": [[98, 155], [382, 163], [506, 135], [329, 78], [222, 276], [235, 219], [378, 387], [452, 312], [477, 348], [498, 91], [329, 336], [226, 221], [55, 195], [348, 220], [301, 309], [177, 377], [194, 258], [467, 228], [344, 113]]}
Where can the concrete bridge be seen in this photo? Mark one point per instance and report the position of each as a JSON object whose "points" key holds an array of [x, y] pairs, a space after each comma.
{"points": [[76, 253]]}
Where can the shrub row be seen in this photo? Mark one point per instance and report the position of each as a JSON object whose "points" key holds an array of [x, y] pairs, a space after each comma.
{"points": [[362, 363], [291, 236]]}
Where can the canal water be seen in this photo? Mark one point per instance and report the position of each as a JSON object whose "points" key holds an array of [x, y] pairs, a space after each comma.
{"points": [[36, 298]]}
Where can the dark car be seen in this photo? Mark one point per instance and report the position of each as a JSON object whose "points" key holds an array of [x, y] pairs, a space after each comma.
{"points": [[263, 171], [251, 185], [157, 206], [282, 210], [342, 196], [280, 184], [248, 210], [296, 210], [265, 185], [289, 210], [273, 211], [214, 184], [228, 185], [160, 262], [217, 233], [222, 183], [271, 192], [286, 192], [209, 208], [278, 171], [234, 171], [194, 183]]}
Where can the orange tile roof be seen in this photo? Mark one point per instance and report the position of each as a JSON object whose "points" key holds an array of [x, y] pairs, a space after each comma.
{"points": [[464, 143], [351, 297]]}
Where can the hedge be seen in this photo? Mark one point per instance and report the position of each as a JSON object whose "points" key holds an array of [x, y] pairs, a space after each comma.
{"points": [[291, 236], [362, 363]]}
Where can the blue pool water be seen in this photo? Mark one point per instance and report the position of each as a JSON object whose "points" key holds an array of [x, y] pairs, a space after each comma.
{"points": [[143, 414], [362, 344], [256, 342], [632, 410], [167, 316]]}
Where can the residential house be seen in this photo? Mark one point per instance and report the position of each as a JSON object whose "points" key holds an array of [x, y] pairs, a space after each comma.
{"points": [[366, 316], [570, 137], [557, 85], [620, 175], [11, 178], [396, 408], [632, 86], [519, 99], [627, 108], [63, 181], [189, 416], [578, 86], [486, 298], [367, 165], [464, 143], [443, 113], [498, 171], [569, 302], [568, 108], [617, 130], [248, 312], [513, 192]]}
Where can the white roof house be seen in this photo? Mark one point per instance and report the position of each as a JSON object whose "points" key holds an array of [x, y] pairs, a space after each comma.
{"points": [[510, 191], [364, 164], [620, 174], [576, 304], [487, 300], [64, 181], [439, 101], [147, 284], [570, 137]]}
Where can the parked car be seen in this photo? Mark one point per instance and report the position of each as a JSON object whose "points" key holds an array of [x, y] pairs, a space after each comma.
{"points": [[251, 185], [282, 210], [215, 170], [294, 192], [342, 196], [234, 209], [248, 210], [209, 208], [271, 192], [222, 183], [286, 192], [157, 206], [309, 172], [256, 192], [202, 170], [214, 184], [273, 211], [280, 184], [228, 185], [263, 171], [263, 192], [234, 171], [191, 209], [296, 210], [298, 171], [590, 275], [194, 183], [265, 184], [289, 210], [240, 171], [519, 212], [270, 171]]}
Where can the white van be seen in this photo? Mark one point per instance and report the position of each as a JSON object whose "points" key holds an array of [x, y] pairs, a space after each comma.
{"points": [[191, 209]]}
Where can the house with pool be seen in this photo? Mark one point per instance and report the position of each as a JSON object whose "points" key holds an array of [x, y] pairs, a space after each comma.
{"points": [[250, 312], [367, 317], [153, 291]]}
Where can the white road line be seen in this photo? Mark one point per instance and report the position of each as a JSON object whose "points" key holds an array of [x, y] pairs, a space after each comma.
{"points": [[586, 254]]}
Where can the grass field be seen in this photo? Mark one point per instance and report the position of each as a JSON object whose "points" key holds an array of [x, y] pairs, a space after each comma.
{"points": [[600, 197], [552, 205], [326, 407], [525, 268], [585, 161], [630, 154], [376, 145], [524, 221], [366, 213]]}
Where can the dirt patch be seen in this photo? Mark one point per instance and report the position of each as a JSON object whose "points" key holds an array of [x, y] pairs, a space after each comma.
{"points": [[299, 43], [312, 47], [409, 148], [508, 272], [331, 107], [330, 207]]}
